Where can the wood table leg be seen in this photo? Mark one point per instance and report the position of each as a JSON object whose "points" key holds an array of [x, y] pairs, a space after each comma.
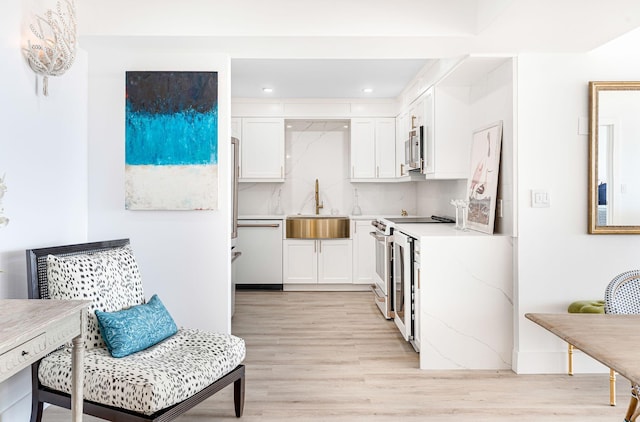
{"points": [[570, 356], [77, 365]]}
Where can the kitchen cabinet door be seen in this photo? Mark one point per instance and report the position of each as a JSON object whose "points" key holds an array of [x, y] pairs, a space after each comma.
{"points": [[428, 133], [448, 133], [300, 261], [317, 261], [262, 150], [334, 261], [385, 148], [417, 113], [402, 134], [364, 252], [363, 149], [373, 148]]}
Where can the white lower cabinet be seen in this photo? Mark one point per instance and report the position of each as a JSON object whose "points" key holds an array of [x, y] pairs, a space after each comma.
{"points": [[317, 261], [334, 261], [300, 262], [364, 252]]}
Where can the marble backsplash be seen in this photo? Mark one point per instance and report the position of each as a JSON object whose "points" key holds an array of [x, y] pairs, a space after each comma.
{"points": [[320, 150]]}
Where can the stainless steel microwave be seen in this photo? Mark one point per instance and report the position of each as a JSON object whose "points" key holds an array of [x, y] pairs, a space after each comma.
{"points": [[413, 149]]}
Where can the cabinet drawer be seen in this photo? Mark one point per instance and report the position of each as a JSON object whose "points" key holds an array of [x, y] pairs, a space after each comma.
{"points": [[27, 351]]}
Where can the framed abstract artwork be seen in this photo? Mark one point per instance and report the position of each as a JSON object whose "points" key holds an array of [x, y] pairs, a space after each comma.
{"points": [[482, 184], [171, 141]]}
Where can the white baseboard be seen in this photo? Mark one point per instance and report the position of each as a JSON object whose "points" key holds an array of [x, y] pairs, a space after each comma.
{"points": [[555, 363]]}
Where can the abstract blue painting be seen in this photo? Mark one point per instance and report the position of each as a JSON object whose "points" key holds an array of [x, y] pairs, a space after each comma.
{"points": [[171, 141]]}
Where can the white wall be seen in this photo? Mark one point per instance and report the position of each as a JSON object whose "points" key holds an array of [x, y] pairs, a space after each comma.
{"points": [[557, 261], [492, 100], [43, 154], [184, 256]]}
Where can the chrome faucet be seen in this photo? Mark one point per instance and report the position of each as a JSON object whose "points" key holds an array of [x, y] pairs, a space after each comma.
{"points": [[318, 203]]}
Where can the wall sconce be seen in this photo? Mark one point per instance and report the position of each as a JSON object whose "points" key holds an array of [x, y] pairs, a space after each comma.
{"points": [[53, 50]]}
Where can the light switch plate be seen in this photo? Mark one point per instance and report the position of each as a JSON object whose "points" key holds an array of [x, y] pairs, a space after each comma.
{"points": [[540, 198]]}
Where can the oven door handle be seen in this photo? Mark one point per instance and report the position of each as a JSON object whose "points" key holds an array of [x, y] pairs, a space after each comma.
{"points": [[380, 238]]}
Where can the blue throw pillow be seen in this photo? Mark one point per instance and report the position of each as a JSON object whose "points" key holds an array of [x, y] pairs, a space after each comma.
{"points": [[137, 328]]}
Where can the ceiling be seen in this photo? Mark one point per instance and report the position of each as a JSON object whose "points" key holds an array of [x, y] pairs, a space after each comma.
{"points": [[322, 78], [332, 48]]}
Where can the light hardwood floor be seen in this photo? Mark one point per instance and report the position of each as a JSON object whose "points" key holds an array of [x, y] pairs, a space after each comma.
{"points": [[320, 356]]}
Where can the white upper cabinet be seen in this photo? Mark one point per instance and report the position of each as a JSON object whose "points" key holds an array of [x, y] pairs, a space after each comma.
{"points": [[447, 133], [262, 150], [373, 148], [403, 126], [385, 148], [417, 114], [363, 149]]}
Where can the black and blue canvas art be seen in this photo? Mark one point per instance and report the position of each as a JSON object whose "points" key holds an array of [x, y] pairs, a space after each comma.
{"points": [[171, 140]]}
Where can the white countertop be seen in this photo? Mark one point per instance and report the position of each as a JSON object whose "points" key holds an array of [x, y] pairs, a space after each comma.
{"points": [[284, 216], [262, 217], [435, 229]]}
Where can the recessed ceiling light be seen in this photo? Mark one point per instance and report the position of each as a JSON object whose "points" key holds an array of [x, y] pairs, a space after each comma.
{"points": [[346, 126], [289, 126], [367, 90], [267, 90]]}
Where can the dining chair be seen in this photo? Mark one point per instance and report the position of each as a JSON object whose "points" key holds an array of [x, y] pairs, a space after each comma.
{"points": [[622, 296]]}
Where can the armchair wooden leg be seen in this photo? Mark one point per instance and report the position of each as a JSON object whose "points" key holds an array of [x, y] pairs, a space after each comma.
{"points": [[238, 395], [36, 409], [570, 355]]}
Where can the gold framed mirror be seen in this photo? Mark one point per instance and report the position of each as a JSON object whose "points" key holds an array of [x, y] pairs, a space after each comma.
{"points": [[614, 157]]}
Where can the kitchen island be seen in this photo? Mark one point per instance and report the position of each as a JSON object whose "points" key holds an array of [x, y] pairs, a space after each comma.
{"points": [[465, 297]]}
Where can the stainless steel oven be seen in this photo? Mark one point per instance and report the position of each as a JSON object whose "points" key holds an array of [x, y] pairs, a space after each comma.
{"points": [[383, 268]]}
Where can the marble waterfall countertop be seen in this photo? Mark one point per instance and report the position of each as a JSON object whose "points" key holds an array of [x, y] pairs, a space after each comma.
{"points": [[466, 299]]}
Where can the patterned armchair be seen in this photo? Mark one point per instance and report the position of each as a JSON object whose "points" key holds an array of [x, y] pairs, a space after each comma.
{"points": [[161, 376], [622, 296]]}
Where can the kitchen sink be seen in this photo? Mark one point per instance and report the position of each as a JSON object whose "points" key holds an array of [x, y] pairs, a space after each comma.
{"points": [[317, 227]]}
